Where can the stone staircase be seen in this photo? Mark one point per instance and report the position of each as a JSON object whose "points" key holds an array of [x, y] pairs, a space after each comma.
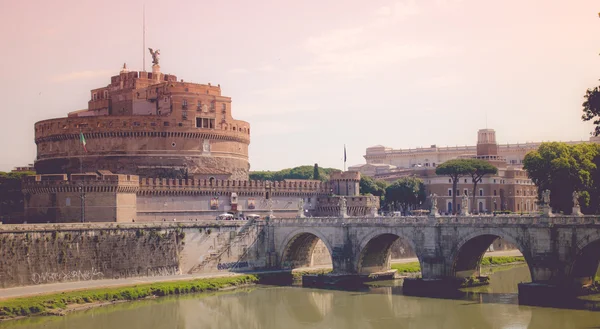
{"points": [[240, 235]]}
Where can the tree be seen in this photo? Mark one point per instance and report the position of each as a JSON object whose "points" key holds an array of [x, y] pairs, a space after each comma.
{"points": [[405, 192], [372, 186], [591, 108], [11, 197], [316, 175], [300, 172], [455, 169], [479, 168], [562, 169]]}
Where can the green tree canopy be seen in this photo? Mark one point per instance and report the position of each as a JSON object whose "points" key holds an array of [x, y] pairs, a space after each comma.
{"points": [[301, 172], [591, 108], [372, 186], [405, 192], [11, 197], [455, 169], [562, 169]]}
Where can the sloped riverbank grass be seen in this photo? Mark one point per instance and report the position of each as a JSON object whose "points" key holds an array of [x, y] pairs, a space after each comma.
{"points": [[415, 267], [58, 303]]}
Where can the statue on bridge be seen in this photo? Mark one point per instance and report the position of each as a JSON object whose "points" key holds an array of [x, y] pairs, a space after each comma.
{"points": [[575, 199], [343, 207], [301, 208], [433, 211], [546, 209], [464, 207], [576, 208], [546, 197]]}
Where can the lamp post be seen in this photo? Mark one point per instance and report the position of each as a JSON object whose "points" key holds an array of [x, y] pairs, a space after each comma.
{"points": [[82, 197]]}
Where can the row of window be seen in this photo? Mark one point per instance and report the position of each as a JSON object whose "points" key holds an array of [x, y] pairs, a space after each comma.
{"points": [[466, 192], [519, 192]]}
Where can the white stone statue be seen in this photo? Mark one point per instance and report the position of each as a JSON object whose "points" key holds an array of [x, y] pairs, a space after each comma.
{"points": [[546, 197], [343, 207], [301, 207], [433, 198], [575, 199], [464, 205]]}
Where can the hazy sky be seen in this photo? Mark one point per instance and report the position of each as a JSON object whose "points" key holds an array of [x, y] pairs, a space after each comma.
{"points": [[312, 75]]}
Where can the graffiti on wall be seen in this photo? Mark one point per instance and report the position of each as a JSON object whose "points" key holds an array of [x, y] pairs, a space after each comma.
{"points": [[78, 275], [234, 265]]}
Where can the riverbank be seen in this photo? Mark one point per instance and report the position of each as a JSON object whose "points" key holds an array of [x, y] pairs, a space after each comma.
{"points": [[61, 303], [414, 268]]}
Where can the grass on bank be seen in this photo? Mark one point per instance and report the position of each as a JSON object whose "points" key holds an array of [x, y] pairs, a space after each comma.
{"points": [[415, 267], [37, 305]]}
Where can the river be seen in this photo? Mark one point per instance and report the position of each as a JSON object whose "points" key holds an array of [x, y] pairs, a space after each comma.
{"points": [[380, 306]]}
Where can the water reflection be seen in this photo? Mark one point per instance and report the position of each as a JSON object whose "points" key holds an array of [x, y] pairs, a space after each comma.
{"points": [[299, 308]]}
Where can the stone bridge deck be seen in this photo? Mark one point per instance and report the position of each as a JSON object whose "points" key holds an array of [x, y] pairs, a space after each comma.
{"points": [[560, 251]]}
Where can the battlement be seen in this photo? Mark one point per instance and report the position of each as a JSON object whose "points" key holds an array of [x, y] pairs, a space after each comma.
{"points": [[39, 183], [89, 182], [345, 176], [241, 187]]}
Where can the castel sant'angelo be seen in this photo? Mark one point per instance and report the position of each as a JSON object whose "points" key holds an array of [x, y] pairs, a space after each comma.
{"points": [[152, 148]]}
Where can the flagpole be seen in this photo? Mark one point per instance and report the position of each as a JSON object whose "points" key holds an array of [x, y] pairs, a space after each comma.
{"points": [[81, 156], [344, 157]]}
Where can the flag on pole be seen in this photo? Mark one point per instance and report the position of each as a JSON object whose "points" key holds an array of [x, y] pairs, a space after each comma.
{"points": [[82, 139], [344, 153]]}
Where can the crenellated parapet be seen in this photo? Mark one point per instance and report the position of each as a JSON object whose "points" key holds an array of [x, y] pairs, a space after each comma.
{"points": [[80, 183], [163, 186], [345, 176]]}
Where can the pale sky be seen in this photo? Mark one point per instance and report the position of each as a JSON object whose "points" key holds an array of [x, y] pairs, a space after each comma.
{"points": [[311, 76]]}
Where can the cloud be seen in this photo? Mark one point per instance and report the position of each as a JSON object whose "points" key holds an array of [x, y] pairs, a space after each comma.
{"points": [[82, 75], [397, 11], [262, 68], [368, 47], [239, 71], [284, 106], [439, 81], [270, 128]]}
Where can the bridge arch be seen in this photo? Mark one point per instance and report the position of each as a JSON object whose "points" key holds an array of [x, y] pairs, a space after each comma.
{"points": [[466, 257], [585, 264], [374, 250], [297, 248]]}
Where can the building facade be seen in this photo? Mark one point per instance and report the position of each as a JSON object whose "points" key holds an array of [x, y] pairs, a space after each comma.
{"points": [[151, 125], [509, 190], [431, 156], [151, 148]]}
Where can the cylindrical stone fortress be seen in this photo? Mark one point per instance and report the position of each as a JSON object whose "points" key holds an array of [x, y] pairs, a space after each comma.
{"points": [[150, 125]]}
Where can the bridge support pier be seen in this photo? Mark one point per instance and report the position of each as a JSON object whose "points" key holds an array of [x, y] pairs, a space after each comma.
{"points": [[447, 287], [545, 294]]}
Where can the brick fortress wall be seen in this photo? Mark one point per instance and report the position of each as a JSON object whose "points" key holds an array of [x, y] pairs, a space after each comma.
{"points": [[150, 125]]}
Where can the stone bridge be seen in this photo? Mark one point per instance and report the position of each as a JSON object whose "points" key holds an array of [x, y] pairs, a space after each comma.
{"points": [[560, 251]]}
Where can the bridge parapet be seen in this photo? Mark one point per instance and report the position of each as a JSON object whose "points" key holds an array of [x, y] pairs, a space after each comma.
{"points": [[11, 228], [434, 221]]}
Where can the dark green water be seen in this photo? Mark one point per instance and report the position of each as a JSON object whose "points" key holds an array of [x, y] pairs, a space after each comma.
{"points": [[382, 306]]}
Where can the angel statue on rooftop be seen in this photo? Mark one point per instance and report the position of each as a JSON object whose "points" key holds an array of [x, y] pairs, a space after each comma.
{"points": [[155, 55]]}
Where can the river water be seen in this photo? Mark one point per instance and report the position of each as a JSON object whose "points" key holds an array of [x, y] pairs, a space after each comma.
{"points": [[380, 306]]}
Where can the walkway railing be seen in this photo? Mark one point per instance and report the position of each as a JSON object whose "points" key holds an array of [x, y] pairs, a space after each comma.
{"points": [[424, 220]]}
